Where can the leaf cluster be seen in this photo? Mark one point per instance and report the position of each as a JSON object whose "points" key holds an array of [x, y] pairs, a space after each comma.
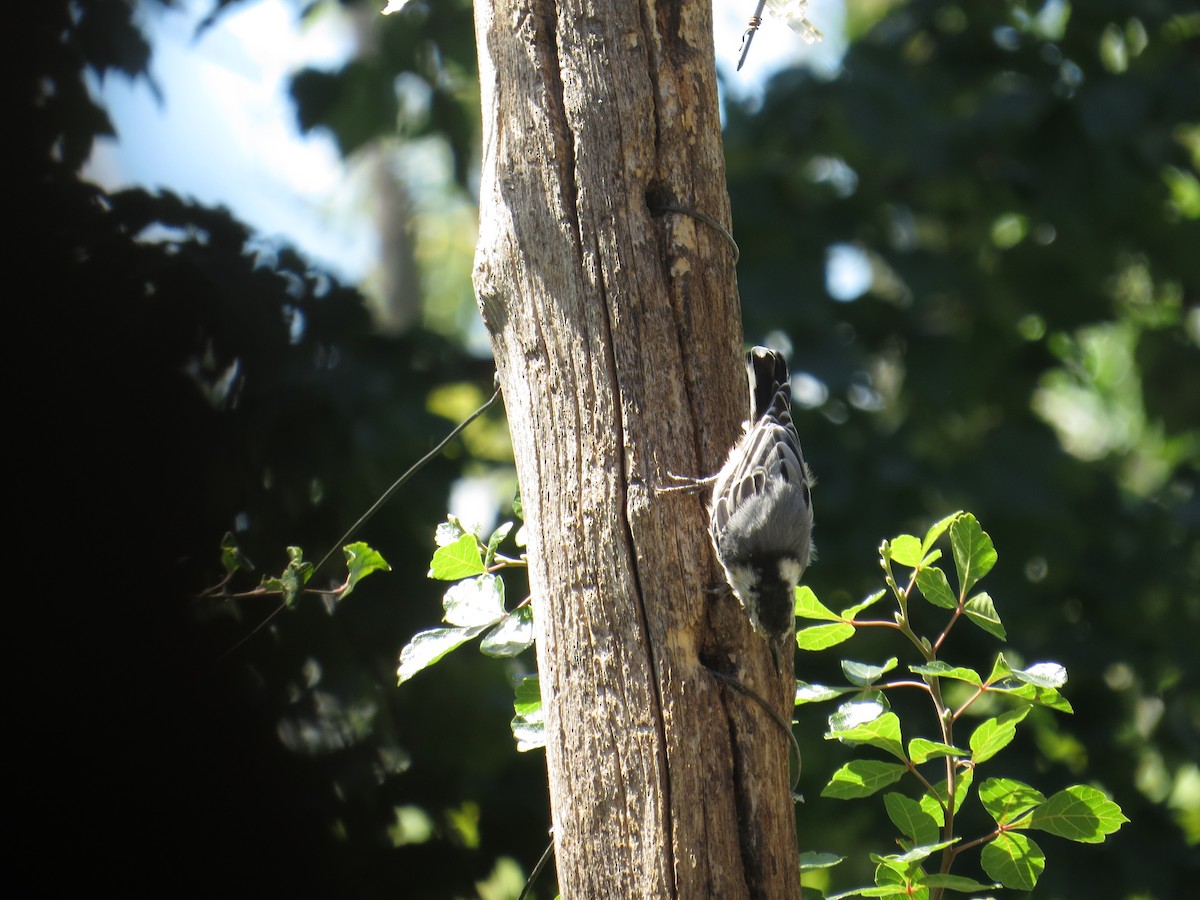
{"points": [[943, 771], [474, 605]]}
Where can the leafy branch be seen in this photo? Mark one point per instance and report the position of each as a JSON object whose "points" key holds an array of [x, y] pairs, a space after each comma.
{"points": [[475, 603], [929, 838]]}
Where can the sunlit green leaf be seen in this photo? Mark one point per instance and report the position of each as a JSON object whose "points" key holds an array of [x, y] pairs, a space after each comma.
{"points": [[862, 778], [809, 607], [912, 821], [1047, 697], [1014, 860], [883, 733], [1079, 813], [458, 560], [361, 561], [1000, 670], [816, 693], [811, 859], [851, 612], [527, 695], [427, 647], [494, 541], [899, 889], [1043, 674], [820, 637], [980, 610], [958, 883], [865, 674], [905, 550], [528, 724], [448, 532], [902, 862], [475, 601], [962, 786], [939, 669], [921, 750], [513, 635], [934, 587], [937, 530], [1007, 800], [293, 579], [854, 713], [974, 554], [993, 735]]}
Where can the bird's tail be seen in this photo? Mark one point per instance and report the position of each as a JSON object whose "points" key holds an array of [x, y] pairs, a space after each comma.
{"points": [[770, 387]]}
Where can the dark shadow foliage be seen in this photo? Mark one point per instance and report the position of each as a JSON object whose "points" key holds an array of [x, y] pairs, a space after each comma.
{"points": [[173, 378]]}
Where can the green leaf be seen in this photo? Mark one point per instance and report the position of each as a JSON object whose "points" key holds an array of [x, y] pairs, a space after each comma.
{"points": [[494, 541], [232, 557], [1043, 674], [1007, 800], [862, 778], [898, 889], [993, 735], [854, 713], [958, 883], [937, 530], [974, 553], [809, 607], [912, 821], [293, 579], [427, 647], [1047, 697], [820, 637], [883, 733], [904, 549], [962, 787], [935, 588], [361, 561], [1000, 670], [921, 750], [513, 635], [864, 674], [851, 612], [811, 860], [1079, 813], [448, 532], [901, 862], [816, 693], [528, 724], [458, 560], [982, 612], [527, 695], [475, 602], [1014, 860], [939, 669]]}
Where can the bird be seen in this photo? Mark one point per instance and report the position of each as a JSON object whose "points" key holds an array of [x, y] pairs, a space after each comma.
{"points": [[761, 513]]}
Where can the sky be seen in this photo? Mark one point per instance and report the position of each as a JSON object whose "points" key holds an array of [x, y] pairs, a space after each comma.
{"points": [[224, 131]]}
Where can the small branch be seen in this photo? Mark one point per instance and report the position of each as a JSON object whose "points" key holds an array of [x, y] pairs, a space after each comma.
{"points": [[912, 684], [966, 703]]}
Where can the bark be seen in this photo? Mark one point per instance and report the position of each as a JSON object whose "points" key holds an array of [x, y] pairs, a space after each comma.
{"points": [[618, 342]]}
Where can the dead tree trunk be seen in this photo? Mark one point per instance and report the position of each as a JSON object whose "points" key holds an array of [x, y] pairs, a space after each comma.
{"points": [[617, 335]]}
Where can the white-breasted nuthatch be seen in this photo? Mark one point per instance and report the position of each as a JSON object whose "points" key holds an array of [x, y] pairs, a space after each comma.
{"points": [[761, 517]]}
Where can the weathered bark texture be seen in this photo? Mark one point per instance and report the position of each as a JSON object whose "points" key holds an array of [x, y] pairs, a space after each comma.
{"points": [[617, 337]]}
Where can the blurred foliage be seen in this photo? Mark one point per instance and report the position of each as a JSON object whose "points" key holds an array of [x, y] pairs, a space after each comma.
{"points": [[175, 378], [1019, 181], [1015, 181], [416, 76]]}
